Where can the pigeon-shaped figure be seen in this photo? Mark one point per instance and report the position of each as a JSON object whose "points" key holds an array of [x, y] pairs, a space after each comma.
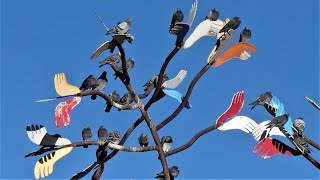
{"points": [[176, 17], [278, 121], [174, 172], [234, 23], [302, 145], [213, 15], [115, 97], [245, 35], [89, 83], [126, 99], [150, 84], [86, 134], [166, 142], [262, 99], [115, 58], [102, 81], [143, 140], [121, 28], [102, 134], [114, 138], [129, 66], [299, 126]]}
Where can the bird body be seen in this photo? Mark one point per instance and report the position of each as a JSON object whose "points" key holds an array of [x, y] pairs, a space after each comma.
{"points": [[129, 66], [102, 134], [126, 99], [262, 99], [86, 134], [234, 23], [115, 58], [174, 172], [102, 83], [89, 83], [114, 138], [143, 140], [115, 97], [176, 17], [213, 15], [121, 28], [166, 142], [245, 35]]}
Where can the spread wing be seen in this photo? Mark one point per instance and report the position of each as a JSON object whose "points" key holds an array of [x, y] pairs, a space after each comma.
{"points": [[193, 12], [173, 83], [242, 123], [63, 110], [62, 87]]}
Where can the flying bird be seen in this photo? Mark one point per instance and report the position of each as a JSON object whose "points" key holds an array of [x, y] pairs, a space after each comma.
{"points": [[102, 134], [176, 17], [89, 83], [102, 81], [234, 23], [121, 28], [213, 15], [174, 172], [115, 58], [129, 66], [115, 97], [245, 35], [86, 134], [166, 142], [143, 140]]}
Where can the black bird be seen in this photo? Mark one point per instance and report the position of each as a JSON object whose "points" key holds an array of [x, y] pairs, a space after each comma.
{"points": [[166, 142], [232, 24], [102, 134], [262, 99], [129, 66], [143, 140], [177, 17], [213, 15], [89, 83], [174, 172], [245, 35], [86, 134], [102, 81], [114, 97], [115, 58]]}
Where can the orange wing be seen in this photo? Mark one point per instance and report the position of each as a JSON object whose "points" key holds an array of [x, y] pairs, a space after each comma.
{"points": [[235, 51]]}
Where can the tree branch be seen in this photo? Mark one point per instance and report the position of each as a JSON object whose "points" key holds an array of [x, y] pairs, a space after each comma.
{"points": [[126, 79], [312, 143]]}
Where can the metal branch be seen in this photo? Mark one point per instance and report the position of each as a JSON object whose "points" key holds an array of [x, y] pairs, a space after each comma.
{"points": [[183, 103], [126, 79], [193, 140], [312, 143]]}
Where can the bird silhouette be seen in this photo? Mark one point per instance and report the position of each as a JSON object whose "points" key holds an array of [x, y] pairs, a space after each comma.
{"points": [[115, 97], [143, 140], [86, 134], [129, 66], [115, 58], [102, 81], [89, 83], [213, 15], [176, 17], [245, 35], [121, 28], [173, 172], [234, 23]]}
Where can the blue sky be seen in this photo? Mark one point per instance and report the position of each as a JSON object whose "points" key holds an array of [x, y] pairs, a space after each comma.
{"points": [[42, 38]]}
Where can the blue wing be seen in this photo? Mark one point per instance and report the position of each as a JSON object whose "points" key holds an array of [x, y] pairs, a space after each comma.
{"points": [[178, 96], [288, 126], [279, 110]]}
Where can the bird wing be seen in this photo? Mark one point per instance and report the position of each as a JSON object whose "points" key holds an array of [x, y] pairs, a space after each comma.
{"points": [[105, 46], [62, 87], [236, 51], [313, 103], [287, 126], [234, 108], [63, 110], [44, 166], [176, 95], [201, 30], [242, 123], [173, 83], [261, 131], [269, 146], [219, 47], [193, 12]]}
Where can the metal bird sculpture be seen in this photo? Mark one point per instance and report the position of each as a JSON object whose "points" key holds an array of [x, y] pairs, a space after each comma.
{"points": [[213, 15], [102, 83], [89, 83], [174, 172], [121, 28], [245, 35], [115, 58], [86, 134], [166, 142], [234, 23], [102, 134], [115, 97], [129, 66], [176, 17], [143, 140]]}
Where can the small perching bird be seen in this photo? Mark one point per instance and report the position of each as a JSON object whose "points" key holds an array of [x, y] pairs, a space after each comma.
{"points": [[102, 83], [213, 15], [89, 83], [115, 58], [121, 28], [129, 66], [234, 23], [262, 99], [102, 134], [245, 35], [174, 172], [166, 142], [114, 138], [115, 97], [143, 140], [86, 135], [176, 17]]}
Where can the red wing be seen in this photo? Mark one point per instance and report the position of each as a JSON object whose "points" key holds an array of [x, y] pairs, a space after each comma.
{"points": [[63, 110], [234, 108], [269, 146]]}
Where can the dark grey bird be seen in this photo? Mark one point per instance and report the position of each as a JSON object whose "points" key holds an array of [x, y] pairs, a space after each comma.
{"points": [[114, 138], [86, 134], [115, 58], [278, 121], [299, 127], [102, 134], [129, 66], [213, 15], [121, 28], [262, 99], [150, 84], [102, 81], [126, 99], [166, 142], [89, 83], [143, 140], [176, 17], [174, 172], [114, 97], [245, 35], [234, 23], [302, 145]]}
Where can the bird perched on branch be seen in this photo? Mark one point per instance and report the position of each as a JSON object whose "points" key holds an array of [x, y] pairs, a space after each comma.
{"points": [[174, 172], [115, 97], [102, 134], [115, 58], [86, 134], [114, 138], [121, 28], [102, 81], [234, 23], [176, 17], [129, 66], [213, 15], [143, 140], [262, 99], [166, 142], [126, 99], [89, 83]]}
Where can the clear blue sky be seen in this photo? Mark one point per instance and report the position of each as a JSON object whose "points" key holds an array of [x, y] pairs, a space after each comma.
{"points": [[42, 38]]}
